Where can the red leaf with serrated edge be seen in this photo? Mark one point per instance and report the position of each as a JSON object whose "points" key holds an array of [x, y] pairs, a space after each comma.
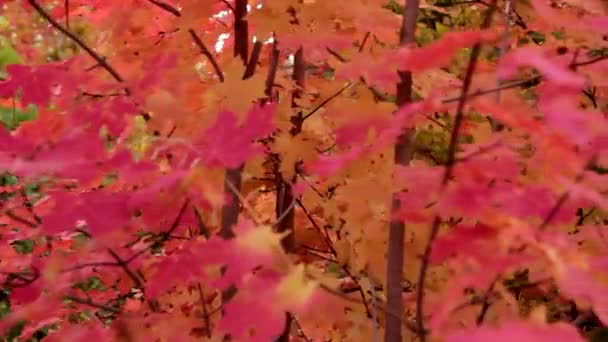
{"points": [[253, 310], [102, 211], [228, 144], [36, 83], [89, 331], [329, 165], [550, 69], [461, 240], [438, 54], [520, 332], [60, 159], [596, 24]]}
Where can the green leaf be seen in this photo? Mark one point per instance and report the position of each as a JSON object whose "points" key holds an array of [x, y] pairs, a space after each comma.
{"points": [[336, 269], [536, 37], [441, 29], [13, 117], [8, 56], [23, 246]]}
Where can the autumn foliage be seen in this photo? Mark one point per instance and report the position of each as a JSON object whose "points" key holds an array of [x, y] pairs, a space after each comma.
{"points": [[185, 170]]}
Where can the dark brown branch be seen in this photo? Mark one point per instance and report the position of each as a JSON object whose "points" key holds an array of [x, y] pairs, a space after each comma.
{"points": [[485, 305], [272, 70], [206, 317], [241, 30], [253, 60], [197, 40], [333, 251], [165, 235], [20, 219], [285, 197], [99, 59], [563, 198], [165, 6], [515, 84], [326, 101], [300, 330], [162, 237], [337, 55], [405, 323], [365, 38], [451, 158], [233, 177], [229, 5], [403, 155], [230, 210], [205, 51], [120, 262], [66, 6], [590, 61]]}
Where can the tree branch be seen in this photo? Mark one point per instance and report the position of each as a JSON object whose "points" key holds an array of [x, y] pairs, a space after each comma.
{"points": [[205, 51], [99, 59], [451, 159], [403, 155]]}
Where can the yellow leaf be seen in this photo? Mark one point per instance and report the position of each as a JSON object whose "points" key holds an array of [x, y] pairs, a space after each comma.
{"points": [[261, 239], [295, 290]]}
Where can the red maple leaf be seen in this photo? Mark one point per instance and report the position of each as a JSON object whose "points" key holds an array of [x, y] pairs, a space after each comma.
{"points": [[228, 144], [37, 83]]}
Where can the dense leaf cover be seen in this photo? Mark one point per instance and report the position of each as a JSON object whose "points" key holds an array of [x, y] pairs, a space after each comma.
{"points": [[136, 133]]}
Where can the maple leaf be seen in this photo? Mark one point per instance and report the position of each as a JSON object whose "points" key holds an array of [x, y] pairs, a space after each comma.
{"points": [[235, 93], [59, 159], [295, 291], [440, 53], [519, 331], [558, 74], [462, 240], [228, 144], [37, 84], [94, 331], [182, 266], [102, 211]]}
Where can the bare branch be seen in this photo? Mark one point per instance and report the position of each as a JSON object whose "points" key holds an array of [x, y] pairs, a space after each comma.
{"points": [[205, 51], [451, 159], [99, 59]]}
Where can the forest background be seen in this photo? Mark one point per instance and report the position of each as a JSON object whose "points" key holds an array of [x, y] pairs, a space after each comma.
{"points": [[304, 170]]}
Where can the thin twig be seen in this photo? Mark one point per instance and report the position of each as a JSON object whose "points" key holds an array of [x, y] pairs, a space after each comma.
{"points": [[326, 101], [120, 262], [165, 6], [206, 317], [451, 158], [66, 6], [485, 306], [205, 51], [253, 60], [300, 330], [229, 5], [99, 59]]}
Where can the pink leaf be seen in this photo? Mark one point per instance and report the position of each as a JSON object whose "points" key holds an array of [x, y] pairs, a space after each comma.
{"points": [[558, 74], [462, 240], [102, 211], [36, 83], [520, 332], [440, 53]]}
